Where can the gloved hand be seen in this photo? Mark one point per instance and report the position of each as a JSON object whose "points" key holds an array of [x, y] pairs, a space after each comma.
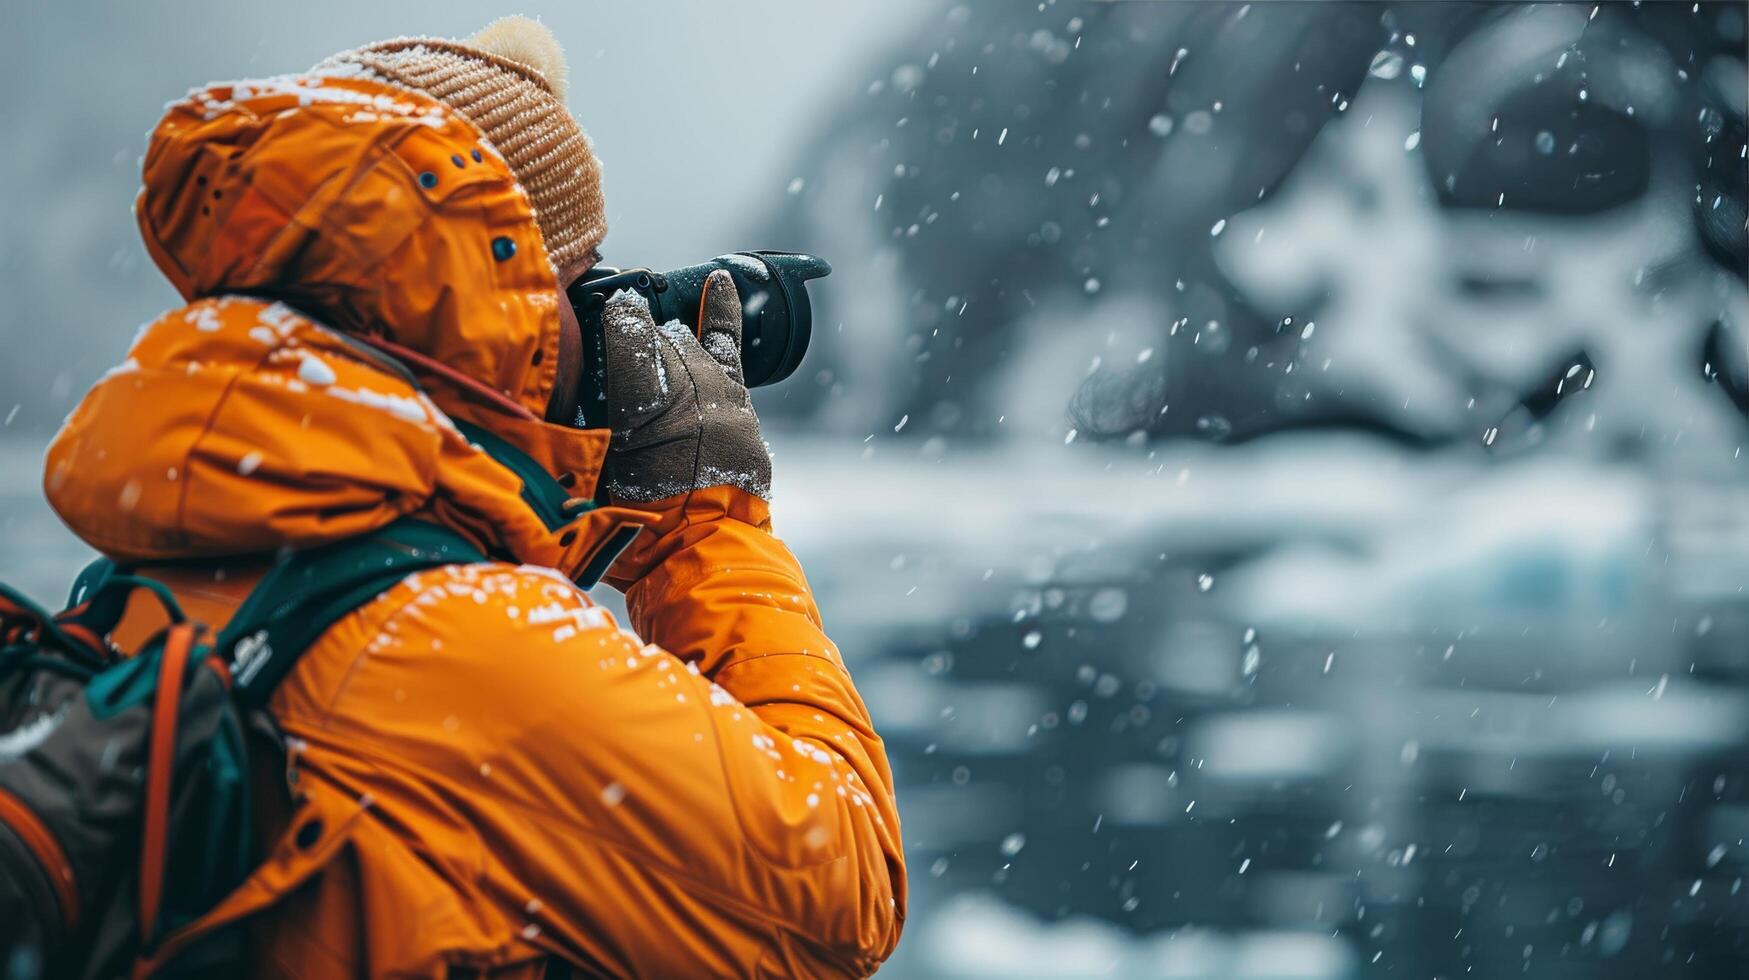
{"points": [[681, 418]]}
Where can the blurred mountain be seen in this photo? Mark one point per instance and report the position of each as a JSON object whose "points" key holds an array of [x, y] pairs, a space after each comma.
{"points": [[1049, 206]]}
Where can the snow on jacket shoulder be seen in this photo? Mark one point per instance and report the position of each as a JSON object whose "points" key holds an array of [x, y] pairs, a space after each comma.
{"points": [[491, 772]]}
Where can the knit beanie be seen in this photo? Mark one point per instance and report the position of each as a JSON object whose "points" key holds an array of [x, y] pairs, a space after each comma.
{"points": [[509, 80]]}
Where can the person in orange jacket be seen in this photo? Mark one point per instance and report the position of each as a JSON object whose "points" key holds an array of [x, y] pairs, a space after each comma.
{"points": [[491, 777]]}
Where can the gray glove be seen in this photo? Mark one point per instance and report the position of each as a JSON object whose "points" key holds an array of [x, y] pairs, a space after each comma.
{"points": [[681, 418]]}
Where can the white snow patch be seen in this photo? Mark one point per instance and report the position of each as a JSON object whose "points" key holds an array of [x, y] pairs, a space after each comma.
{"points": [[314, 370], [203, 316], [14, 744], [311, 90], [129, 366], [400, 406]]}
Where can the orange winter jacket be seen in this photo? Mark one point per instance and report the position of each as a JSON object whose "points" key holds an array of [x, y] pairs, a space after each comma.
{"points": [[491, 776]]}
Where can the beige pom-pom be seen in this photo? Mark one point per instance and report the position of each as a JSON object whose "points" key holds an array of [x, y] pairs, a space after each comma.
{"points": [[528, 42]]}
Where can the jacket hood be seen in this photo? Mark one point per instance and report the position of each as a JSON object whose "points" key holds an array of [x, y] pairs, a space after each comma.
{"points": [[378, 209], [243, 422]]}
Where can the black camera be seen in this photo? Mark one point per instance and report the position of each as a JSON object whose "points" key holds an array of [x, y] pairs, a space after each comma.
{"points": [[776, 317]]}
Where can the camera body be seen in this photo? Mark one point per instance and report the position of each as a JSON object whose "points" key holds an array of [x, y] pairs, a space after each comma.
{"points": [[776, 316]]}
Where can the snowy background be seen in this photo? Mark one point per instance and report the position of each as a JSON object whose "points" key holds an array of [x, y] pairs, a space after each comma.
{"points": [[1276, 470]]}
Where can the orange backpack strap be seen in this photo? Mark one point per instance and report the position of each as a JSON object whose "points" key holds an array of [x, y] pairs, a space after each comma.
{"points": [[160, 768]]}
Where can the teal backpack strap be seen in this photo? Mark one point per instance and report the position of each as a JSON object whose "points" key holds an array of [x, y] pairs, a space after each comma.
{"points": [[309, 590], [549, 499], [100, 594], [540, 491]]}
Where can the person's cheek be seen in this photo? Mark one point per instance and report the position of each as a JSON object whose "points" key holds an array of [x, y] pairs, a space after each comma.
{"points": [[562, 405]]}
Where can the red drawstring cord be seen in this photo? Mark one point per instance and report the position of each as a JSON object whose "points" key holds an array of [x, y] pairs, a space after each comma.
{"points": [[443, 370]]}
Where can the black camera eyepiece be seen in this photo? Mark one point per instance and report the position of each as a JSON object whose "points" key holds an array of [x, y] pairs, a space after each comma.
{"points": [[777, 319]]}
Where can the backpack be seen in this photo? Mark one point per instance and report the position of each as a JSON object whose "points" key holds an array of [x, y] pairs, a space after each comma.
{"points": [[103, 752]]}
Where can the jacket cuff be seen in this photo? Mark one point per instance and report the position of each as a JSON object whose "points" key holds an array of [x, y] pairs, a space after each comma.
{"points": [[673, 516]]}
